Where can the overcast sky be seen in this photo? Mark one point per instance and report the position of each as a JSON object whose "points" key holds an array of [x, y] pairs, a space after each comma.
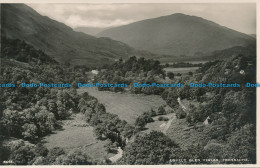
{"points": [[240, 17]]}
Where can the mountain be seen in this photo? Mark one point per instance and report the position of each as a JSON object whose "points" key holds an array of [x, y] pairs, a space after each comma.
{"points": [[252, 35], [177, 34], [90, 30], [58, 40]]}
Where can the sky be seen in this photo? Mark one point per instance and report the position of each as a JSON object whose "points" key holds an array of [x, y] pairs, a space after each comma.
{"points": [[237, 16]]}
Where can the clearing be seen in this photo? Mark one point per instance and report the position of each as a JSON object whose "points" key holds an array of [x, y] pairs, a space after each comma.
{"points": [[127, 106], [157, 125], [76, 133]]}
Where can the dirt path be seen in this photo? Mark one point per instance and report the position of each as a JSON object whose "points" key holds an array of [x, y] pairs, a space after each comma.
{"points": [[117, 156], [180, 103], [167, 126]]}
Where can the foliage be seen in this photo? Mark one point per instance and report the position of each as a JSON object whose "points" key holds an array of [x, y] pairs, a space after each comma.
{"points": [[163, 118], [180, 113], [74, 157], [106, 125], [152, 148]]}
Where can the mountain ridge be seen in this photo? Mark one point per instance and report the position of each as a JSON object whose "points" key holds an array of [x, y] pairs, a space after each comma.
{"points": [[58, 40]]}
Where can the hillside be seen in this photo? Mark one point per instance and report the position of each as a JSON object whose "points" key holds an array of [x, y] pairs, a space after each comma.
{"points": [[252, 35], [58, 40], [89, 30], [178, 34]]}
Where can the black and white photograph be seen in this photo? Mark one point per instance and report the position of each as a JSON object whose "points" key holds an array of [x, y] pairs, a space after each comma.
{"points": [[128, 83]]}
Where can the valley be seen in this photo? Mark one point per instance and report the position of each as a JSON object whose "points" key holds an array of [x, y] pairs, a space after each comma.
{"points": [[49, 125]]}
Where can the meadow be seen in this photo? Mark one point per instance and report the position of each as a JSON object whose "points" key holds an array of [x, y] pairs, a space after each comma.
{"points": [[157, 125], [74, 133], [127, 106]]}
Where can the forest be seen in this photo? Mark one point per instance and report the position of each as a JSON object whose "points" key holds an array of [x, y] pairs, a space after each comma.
{"points": [[230, 112], [28, 114]]}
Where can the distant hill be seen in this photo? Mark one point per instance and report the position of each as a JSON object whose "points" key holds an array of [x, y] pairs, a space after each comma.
{"points": [[177, 35], [58, 40], [247, 51], [90, 30], [252, 35]]}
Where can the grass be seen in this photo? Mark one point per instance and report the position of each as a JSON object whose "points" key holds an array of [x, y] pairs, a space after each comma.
{"points": [[127, 106], [157, 125], [77, 134], [97, 151], [74, 134]]}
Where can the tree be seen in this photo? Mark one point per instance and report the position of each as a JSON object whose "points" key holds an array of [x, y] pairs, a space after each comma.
{"points": [[22, 153], [62, 112], [74, 157], [163, 118], [45, 120], [41, 150], [152, 113], [180, 113], [152, 148], [111, 147], [140, 123], [52, 107], [30, 132], [161, 111], [54, 153], [242, 144], [170, 75], [11, 121]]}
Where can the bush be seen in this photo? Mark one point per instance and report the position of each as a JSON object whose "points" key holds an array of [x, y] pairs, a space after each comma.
{"points": [[161, 111], [163, 118], [180, 113], [170, 75], [142, 120]]}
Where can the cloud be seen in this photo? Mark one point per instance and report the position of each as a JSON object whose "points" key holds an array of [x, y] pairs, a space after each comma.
{"points": [[241, 17]]}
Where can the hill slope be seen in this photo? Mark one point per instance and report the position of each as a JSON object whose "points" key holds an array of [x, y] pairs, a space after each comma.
{"points": [[177, 34], [58, 40], [89, 30]]}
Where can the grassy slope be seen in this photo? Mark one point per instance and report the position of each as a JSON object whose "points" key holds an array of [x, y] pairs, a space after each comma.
{"points": [[184, 134]]}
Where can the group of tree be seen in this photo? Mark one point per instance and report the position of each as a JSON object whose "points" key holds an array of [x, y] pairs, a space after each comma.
{"points": [[106, 125], [230, 114], [24, 153], [147, 117], [133, 70], [29, 113]]}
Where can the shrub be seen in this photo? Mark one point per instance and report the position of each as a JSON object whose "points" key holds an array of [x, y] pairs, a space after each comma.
{"points": [[161, 111], [180, 113], [163, 118]]}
